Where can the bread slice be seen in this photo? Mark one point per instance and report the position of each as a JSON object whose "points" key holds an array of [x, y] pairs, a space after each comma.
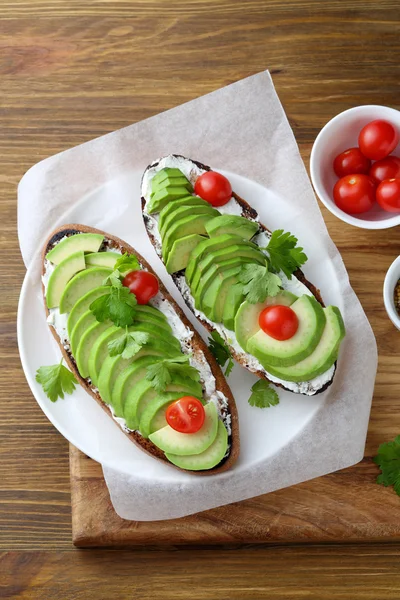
{"points": [[194, 168], [196, 346]]}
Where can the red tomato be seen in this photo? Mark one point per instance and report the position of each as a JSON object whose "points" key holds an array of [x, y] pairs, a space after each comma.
{"points": [[214, 188], [280, 322], [143, 284], [354, 194], [378, 139], [387, 168], [388, 195], [351, 161], [186, 414]]}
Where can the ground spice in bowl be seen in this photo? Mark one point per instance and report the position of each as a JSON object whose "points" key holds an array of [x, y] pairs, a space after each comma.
{"points": [[397, 297]]}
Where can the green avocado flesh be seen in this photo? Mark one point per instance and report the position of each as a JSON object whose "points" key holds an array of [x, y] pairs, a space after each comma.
{"points": [[170, 182], [62, 275], [130, 377], [167, 173], [232, 224], [180, 252], [84, 242], [102, 259], [185, 211], [80, 285], [165, 195], [194, 223], [270, 351], [209, 458], [175, 204], [82, 305]]}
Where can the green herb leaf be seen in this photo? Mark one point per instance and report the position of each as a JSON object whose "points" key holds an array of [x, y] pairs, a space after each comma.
{"points": [[263, 395], [117, 305], [127, 262], [259, 283], [128, 344], [221, 351], [113, 279], [284, 255], [160, 373], [56, 380], [388, 459]]}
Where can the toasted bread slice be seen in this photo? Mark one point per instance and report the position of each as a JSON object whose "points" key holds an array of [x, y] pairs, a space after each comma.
{"points": [[193, 169], [196, 346]]}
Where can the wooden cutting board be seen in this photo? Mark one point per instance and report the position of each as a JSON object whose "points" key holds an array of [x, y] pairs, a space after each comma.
{"points": [[344, 506]]}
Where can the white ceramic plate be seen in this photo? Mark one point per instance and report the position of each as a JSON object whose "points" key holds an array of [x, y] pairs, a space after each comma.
{"points": [[115, 208]]}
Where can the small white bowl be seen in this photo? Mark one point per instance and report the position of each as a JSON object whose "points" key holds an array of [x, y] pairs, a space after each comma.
{"points": [[339, 134], [392, 277]]}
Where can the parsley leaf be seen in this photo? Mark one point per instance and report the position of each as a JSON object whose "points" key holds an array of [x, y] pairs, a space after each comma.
{"points": [[128, 344], [160, 373], [118, 305], [263, 395], [260, 283], [221, 351], [113, 279], [56, 380], [388, 459], [284, 255], [127, 262]]}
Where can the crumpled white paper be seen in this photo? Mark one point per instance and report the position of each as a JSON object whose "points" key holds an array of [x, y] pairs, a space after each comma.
{"points": [[240, 128]]}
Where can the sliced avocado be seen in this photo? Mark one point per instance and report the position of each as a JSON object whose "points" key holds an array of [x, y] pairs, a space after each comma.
{"points": [[246, 320], [156, 186], [167, 172], [210, 458], [185, 226], [102, 259], [270, 351], [172, 206], [180, 252], [62, 274], [232, 224], [233, 301], [82, 305], [184, 211], [129, 378], [85, 345], [184, 444], [213, 299], [83, 323], [80, 285], [208, 245], [84, 242], [165, 195], [324, 355], [150, 310]]}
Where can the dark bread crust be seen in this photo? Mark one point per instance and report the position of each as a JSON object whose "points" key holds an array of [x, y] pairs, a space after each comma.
{"points": [[197, 344], [249, 213]]}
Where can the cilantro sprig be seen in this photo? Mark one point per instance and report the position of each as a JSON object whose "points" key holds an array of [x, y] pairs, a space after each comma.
{"points": [[220, 351], [259, 283], [388, 459], [263, 395], [128, 344], [56, 380], [284, 254], [117, 305], [160, 373], [127, 262]]}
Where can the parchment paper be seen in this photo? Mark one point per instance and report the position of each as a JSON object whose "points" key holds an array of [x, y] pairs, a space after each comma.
{"points": [[240, 128]]}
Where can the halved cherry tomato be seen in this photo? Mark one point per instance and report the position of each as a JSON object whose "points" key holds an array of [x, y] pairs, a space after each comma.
{"points": [[214, 188], [388, 195], [278, 321], [186, 414], [378, 139], [143, 284], [354, 194], [351, 161], [387, 168]]}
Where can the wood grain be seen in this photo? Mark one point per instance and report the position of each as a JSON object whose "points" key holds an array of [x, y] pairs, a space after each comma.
{"points": [[70, 71]]}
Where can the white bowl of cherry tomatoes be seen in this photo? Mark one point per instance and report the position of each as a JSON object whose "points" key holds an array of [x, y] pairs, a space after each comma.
{"points": [[355, 166]]}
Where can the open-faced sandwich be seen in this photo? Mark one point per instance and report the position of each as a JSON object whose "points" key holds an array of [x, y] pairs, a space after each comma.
{"points": [[238, 278], [134, 351]]}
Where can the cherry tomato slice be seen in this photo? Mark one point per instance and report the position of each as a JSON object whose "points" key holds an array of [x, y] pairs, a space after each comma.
{"points": [[354, 194], [278, 321], [186, 415], [387, 168], [351, 161], [388, 195], [143, 284], [378, 139], [214, 188]]}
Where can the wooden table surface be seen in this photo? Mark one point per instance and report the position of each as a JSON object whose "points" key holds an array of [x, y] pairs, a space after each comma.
{"points": [[71, 71]]}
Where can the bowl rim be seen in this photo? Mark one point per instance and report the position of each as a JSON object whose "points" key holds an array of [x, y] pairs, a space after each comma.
{"points": [[391, 277], [390, 221]]}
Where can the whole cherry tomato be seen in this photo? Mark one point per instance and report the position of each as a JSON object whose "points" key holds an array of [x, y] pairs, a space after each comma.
{"points": [[143, 284], [387, 168], [351, 161], [388, 195], [354, 194], [278, 321], [378, 139], [185, 415], [214, 188]]}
